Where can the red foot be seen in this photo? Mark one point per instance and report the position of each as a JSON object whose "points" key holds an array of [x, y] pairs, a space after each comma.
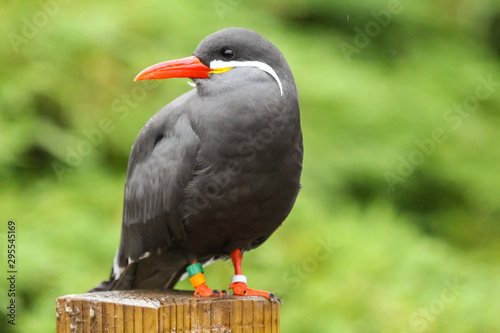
{"points": [[241, 289], [203, 291]]}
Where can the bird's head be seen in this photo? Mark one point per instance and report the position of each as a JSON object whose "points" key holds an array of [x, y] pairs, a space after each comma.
{"points": [[220, 53]]}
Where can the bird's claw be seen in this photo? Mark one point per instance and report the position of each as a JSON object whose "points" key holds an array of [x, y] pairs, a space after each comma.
{"points": [[203, 291], [241, 289], [220, 293], [273, 298]]}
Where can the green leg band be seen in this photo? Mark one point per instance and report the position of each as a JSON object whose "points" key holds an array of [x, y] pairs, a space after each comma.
{"points": [[194, 269]]}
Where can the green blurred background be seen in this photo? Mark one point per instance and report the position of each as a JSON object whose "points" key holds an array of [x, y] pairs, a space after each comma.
{"points": [[396, 227]]}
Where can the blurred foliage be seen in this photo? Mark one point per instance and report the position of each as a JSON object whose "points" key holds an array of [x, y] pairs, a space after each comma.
{"points": [[418, 253]]}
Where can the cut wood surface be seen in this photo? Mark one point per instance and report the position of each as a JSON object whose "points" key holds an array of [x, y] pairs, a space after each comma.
{"points": [[164, 311]]}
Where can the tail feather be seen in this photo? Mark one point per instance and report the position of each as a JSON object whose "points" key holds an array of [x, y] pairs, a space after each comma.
{"points": [[158, 271]]}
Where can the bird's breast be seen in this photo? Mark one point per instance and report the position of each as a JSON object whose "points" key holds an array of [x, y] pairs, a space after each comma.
{"points": [[247, 172], [244, 189]]}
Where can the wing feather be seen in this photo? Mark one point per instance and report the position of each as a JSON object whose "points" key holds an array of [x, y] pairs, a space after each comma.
{"points": [[161, 165]]}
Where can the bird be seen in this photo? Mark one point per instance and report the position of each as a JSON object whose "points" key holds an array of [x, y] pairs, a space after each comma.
{"points": [[215, 172]]}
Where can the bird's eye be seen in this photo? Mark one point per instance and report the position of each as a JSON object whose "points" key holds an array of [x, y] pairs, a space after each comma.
{"points": [[227, 54]]}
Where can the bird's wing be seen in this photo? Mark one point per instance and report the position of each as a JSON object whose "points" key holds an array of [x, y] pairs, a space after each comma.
{"points": [[160, 166]]}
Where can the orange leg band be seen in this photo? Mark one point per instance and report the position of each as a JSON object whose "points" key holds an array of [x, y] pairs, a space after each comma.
{"points": [[197, 279]]}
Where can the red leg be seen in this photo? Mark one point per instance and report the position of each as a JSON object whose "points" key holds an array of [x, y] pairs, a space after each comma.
{"points": [[236, 257], [240, 288]]}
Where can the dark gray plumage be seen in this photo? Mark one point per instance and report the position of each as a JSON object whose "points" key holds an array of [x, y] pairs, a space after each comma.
{"points": [[217, 169]]}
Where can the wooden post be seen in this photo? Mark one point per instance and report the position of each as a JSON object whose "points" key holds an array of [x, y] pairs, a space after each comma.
{"points": [[164, 311]]}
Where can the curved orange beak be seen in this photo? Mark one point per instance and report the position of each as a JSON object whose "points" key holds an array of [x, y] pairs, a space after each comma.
{"points": [[190, 67]]}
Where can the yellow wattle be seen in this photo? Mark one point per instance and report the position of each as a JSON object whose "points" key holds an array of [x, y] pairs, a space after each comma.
{"points": [[220, 70]]}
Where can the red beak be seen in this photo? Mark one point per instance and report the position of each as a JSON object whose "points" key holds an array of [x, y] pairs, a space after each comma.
{"points": [[190, 67]]}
